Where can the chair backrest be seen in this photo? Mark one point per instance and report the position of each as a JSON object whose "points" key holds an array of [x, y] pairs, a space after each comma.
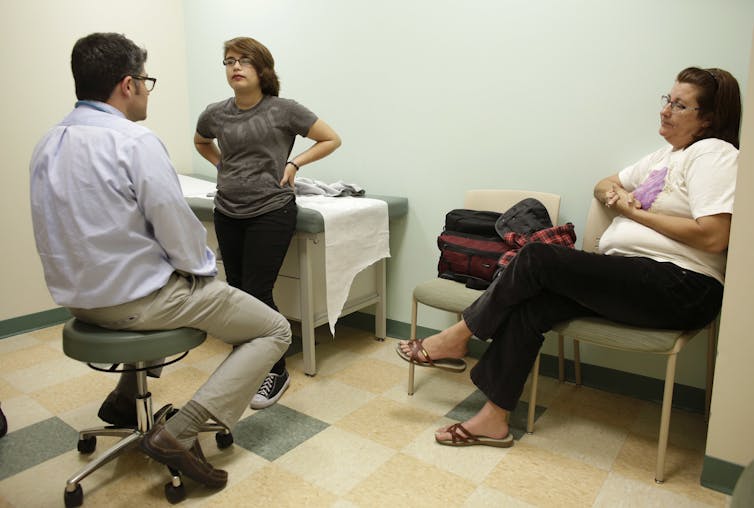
{"points": [[499, 200], [597, 221]]}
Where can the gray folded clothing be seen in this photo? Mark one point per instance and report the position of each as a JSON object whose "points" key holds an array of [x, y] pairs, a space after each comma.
{"points": [[308, 187]]}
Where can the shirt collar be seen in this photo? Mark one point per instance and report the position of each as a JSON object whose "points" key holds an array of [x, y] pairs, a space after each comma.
{"points": [[100, 106]]}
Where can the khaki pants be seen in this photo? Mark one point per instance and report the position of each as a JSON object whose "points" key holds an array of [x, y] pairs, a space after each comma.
{"points": [[260, 335]]}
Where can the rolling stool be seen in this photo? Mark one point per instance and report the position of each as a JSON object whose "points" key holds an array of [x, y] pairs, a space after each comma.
{"points": [[95, 345]]}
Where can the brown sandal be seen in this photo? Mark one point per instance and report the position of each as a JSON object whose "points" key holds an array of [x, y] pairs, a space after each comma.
{"points": [[419, 356], [469, 439]]}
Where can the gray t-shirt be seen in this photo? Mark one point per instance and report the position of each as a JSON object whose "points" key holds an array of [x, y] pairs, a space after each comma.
{"points": [[255, 145]]}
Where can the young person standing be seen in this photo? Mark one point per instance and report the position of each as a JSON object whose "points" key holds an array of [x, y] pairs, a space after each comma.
{"points": [[255, 206]]}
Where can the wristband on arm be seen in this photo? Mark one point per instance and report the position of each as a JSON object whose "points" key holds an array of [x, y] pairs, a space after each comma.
{"points": [[293, 164]]}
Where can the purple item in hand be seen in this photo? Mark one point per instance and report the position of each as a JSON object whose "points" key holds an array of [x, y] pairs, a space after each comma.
{"points": [[647, 192]]}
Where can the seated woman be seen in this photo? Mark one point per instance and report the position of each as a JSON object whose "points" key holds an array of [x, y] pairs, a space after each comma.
{"points": [[662, 263]]}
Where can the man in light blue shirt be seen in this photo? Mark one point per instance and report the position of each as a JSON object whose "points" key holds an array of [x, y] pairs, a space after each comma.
{"points": [[120, 248]]}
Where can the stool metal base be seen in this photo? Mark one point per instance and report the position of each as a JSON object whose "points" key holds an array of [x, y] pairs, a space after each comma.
{"points": [[131, 437]]}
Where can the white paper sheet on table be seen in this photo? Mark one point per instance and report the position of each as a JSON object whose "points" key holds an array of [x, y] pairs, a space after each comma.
{"points": [[195, 187], [356, 236]]}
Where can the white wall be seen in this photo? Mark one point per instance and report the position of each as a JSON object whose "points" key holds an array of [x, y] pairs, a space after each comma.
{"points": [[36, 38], [431, 97], [434, 97]]}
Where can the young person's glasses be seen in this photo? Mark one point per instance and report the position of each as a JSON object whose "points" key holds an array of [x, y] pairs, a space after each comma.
{"points": [[245, 61]]}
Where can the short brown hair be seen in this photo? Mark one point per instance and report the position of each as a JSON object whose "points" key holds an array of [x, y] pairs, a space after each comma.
{"points": [[261, 59], [719, 101]]}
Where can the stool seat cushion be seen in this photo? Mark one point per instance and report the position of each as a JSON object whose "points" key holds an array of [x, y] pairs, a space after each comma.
{"points": [[93, 344], [619, 336], [446, 295]]}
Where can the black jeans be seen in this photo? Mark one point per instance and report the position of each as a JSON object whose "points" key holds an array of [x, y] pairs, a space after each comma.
{"points": [[253, 250], [546, 284]]}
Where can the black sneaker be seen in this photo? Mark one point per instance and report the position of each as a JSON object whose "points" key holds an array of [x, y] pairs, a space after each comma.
{"points": [[272, 388]]}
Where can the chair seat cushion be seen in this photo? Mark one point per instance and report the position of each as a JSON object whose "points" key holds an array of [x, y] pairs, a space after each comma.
{"points": [[619, 336], [446, 295], [88, 343]]}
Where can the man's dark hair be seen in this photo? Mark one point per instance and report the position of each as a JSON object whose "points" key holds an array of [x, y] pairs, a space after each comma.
{"points": [[100, 61]]}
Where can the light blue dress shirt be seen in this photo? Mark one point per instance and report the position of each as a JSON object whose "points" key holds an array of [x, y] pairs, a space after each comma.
{"points": [[110, 221]]}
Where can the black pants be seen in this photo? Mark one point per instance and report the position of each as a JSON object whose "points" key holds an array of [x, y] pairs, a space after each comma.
{"points": [[253, 250], [546, 284]]}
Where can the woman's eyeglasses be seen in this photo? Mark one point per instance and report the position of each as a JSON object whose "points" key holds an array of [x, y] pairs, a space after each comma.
{"points": [[675, 106]]}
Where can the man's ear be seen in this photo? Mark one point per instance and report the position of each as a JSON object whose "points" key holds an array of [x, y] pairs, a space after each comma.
{"points": [[124, 87]]}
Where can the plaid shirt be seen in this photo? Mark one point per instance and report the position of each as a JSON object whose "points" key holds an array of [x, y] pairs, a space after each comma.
{"points": [[559, 235]]}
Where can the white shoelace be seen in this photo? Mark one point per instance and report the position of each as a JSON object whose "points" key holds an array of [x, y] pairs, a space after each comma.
{"points": [[266, 387]]}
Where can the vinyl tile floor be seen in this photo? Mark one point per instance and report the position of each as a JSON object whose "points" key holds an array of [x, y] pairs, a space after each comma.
{"points": [[348, 437]]}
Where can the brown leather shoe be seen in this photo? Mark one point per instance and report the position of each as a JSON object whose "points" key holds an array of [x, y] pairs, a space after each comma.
{"points": [[164, 448]]}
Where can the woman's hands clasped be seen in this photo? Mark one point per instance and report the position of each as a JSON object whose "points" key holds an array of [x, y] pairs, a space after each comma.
{"points": [[621, 200]]}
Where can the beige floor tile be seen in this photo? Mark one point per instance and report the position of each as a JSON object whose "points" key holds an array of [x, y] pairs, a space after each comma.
{"points": [[387, 422], [438, 393], [8, 391], [83, 416], [23, 358], [683, 468], [543, 478], [371, 375], [46, 374], [300, 380], [473, 463], [272, 486], [360, 342], [50, 334], [622, 492], [578, 437], [598, 405], [687, 430], [236, 460], [406, 481], [328, 400], [23, 411], [485, 496], [14, 344], [387, 353], [329, 359], [91, 386], [548, 389], [335, 460], [340, 503]]}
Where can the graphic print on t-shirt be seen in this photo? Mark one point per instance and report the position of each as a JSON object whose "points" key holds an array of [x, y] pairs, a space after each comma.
{"points": [[647, 192]]}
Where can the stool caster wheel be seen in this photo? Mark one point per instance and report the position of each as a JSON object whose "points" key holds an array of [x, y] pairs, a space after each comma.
{"points": [[223, 439], [174, 494], [75, 498], [87, 445]]}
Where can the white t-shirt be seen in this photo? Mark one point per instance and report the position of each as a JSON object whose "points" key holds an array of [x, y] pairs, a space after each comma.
{"points": [[692, 183]]}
